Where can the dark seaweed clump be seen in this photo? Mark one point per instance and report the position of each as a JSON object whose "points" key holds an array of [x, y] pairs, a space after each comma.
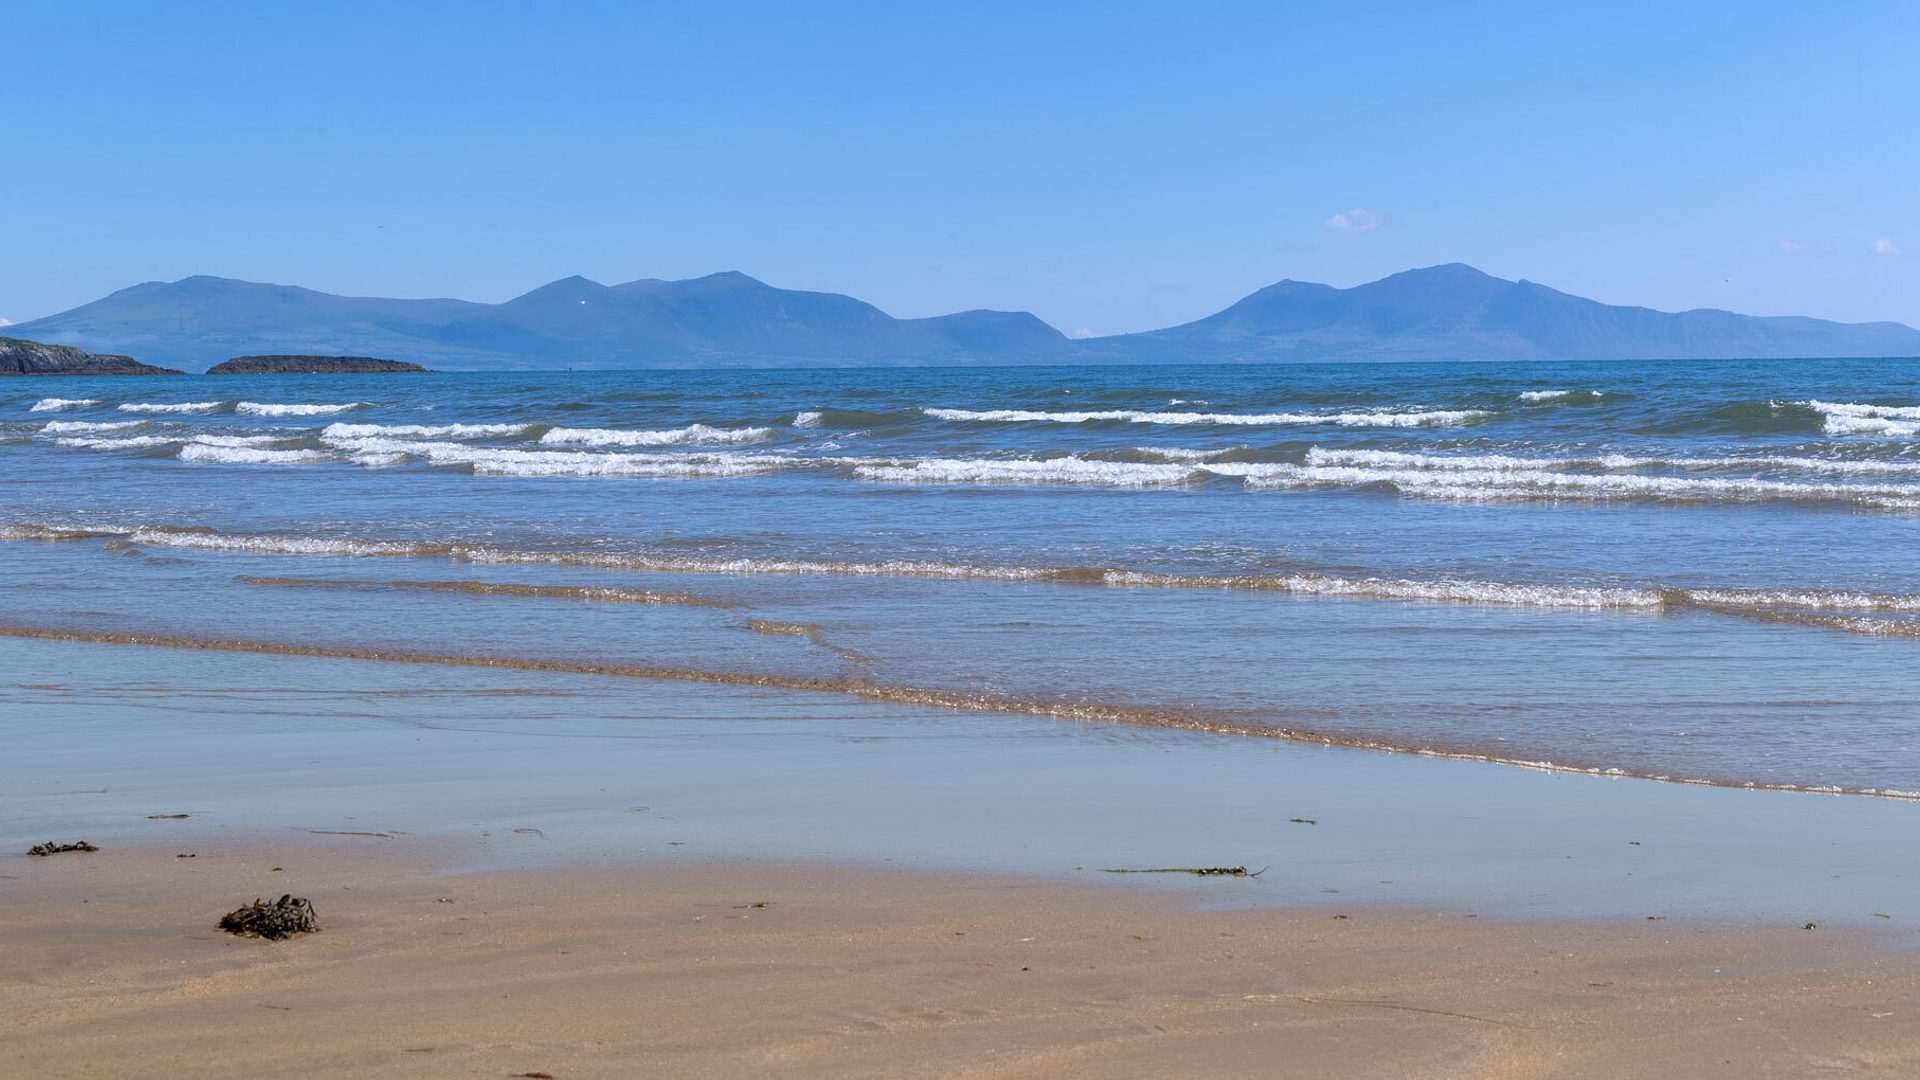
{"points": [[283, 918], [51, 848]]}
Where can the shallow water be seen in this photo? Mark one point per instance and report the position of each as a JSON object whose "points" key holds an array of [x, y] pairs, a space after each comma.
{"points": [[1689, 570], [511, 769]]}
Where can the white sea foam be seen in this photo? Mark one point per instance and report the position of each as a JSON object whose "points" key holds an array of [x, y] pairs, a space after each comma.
{"points": [[256, 408], [506, 462], [1178, 454], [1441, 589], [809, 418], [1063, 470], [139, 442], [55, 404], [1555, 395], [1399, 459], [56, 427], [1872, 425], [1801, 599], [1857, 418], [136, 442], [176, 407], [1522, 483], [1854, 612], [685, 466], [208, 540], [422, 431], [691, 435], [247, 455], [238, 440], [1850, 408], [1415, 418], [1614, 462]]}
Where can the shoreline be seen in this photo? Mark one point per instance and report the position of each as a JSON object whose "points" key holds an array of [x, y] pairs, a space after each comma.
{"points": [[535, 871], [934, 698], [560, 770]]}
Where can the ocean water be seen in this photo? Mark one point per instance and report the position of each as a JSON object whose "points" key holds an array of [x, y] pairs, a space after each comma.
{"points": [[1692, 571]]}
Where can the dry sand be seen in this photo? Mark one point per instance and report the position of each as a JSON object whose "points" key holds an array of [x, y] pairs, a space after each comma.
{"points": [[110, 966]]}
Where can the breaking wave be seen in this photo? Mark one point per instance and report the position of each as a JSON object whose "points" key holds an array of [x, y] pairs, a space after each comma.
{"points": [[1787, 463], [590, 593], [256, 408], [1848, 408], [508, 462], [176, 407], [135, 442], [60, 427], [1853, 418], [423, 431], [140, 442], [1385, 419], [1858, 612], [691, 435], [1564, 397], [1522, 478], [217, 454], [55, 404], [1061, 470]]}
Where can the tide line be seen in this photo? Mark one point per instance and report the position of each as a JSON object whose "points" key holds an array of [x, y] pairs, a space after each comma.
{"points": [[890, 694]]}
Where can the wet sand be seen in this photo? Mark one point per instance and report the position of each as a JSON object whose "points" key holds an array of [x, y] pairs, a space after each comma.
{"points": [[701, 967], [528, 873]]}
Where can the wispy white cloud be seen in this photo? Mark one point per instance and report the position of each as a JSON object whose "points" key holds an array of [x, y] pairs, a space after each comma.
{"points": [[1082, 332], [1884, 246], [1792, 247], [6, 322], [1357, 220]]}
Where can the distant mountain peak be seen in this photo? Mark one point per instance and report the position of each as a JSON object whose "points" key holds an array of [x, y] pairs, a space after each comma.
{"points": [[1450, 311], [731, 275], [1451, 269]]}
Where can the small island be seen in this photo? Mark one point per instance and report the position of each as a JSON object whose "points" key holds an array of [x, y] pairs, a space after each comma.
{"points": [[21, 357], [308, 365]]}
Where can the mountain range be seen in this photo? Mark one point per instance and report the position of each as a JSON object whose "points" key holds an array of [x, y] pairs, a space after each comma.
{"points": [[1448, 312]]}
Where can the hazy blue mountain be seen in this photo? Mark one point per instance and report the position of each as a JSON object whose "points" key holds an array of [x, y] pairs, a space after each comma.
{"points": [[1454, 312], [1450, 312], [720, 320]]}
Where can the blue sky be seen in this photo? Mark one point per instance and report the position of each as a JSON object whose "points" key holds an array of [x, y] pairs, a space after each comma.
{"points": [[1111, 167]]}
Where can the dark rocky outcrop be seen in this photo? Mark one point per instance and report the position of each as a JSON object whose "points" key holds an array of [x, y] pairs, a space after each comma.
{"points": [[19, 357], [308, 365]]}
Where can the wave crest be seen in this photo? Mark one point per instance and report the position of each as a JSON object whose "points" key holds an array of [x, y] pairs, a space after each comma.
{"points": [[1384, 418], [58, 427], [422, 431], [257, 408], [173, 407], [691, 435]]}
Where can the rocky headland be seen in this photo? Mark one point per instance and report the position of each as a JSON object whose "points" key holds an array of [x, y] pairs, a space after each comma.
{"points": [[21, 357]]}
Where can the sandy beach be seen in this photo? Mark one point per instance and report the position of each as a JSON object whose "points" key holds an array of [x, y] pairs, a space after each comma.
{"points": [[623, 878], [734, 968], [625, 540]]}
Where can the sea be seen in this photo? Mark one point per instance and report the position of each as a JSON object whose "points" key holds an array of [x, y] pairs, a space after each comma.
{"points": [[1702, 572]]}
